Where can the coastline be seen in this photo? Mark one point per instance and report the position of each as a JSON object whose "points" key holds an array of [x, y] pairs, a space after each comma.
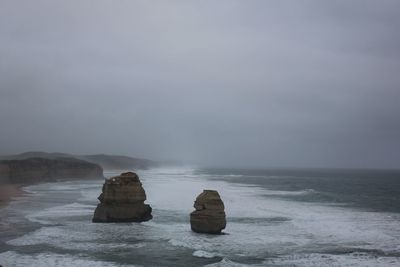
{"points": [[51, 225], [9, 191]]}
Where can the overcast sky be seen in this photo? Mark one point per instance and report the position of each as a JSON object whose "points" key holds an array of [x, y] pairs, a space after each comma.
{"points": [[230, 83]]}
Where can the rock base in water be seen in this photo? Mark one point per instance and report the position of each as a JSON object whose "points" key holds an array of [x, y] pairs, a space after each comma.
{"points": [[209, 216], [122, 200]]}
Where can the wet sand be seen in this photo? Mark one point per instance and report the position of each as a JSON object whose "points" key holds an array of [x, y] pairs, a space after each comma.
{"points": [[8, 191]]}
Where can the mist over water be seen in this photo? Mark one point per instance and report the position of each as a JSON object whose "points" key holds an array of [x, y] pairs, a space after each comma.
{"points": [[269, 224]]}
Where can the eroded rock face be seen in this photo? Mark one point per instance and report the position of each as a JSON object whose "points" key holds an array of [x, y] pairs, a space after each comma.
{"points": [[33, 170], [122, 200], [209, 216]]}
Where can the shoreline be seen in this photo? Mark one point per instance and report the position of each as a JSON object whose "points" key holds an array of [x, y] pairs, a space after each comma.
{"points": [[9, 191]]}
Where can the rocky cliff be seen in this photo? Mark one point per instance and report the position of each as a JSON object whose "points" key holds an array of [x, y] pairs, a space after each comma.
{"points": [[107, 162], [209, 216], [122, 200], [33, 170]]}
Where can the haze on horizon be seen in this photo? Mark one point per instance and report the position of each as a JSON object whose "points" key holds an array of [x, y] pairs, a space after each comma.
{"points": [[222, 83]]}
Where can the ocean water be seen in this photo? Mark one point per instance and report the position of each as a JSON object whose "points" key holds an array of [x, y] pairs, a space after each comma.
{"points": [[275, 218]]}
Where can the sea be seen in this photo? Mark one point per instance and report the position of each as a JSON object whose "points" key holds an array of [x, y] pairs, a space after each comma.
{"points": [[276, 217]]}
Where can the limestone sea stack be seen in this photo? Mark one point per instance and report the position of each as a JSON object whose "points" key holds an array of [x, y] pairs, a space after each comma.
{"points": [[209, 216], [122, 200]]}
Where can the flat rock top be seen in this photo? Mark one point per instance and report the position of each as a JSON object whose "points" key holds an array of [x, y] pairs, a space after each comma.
{"points": [[128, 174], [123, 179], [125, 188], [210, 200], [208, 195]]}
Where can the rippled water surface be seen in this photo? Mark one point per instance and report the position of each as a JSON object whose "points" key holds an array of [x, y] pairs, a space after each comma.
{"points": [[274, 219]]}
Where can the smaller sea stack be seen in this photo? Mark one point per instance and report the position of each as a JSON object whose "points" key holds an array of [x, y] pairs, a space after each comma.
{"points": [[122, 200], [209, 216]]}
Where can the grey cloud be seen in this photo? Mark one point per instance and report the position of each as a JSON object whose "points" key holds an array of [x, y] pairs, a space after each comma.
{"points": [[238, 83]]}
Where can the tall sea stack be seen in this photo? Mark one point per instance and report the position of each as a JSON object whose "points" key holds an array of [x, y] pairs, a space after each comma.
{"points": [[209, 216], [122, 200]]}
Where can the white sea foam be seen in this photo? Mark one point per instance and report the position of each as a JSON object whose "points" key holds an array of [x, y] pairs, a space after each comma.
{"points": [[80, 236], [204, 254], [228, 263], [309, 226], [11, 258], [346, 260], [90, 194], [51, 215], [53, 235], [288, 193]]}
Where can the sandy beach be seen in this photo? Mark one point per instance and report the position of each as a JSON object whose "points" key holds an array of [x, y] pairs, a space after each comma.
{"points": [[8, 191]]}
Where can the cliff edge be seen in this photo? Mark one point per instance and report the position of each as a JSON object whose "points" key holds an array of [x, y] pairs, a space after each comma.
{"points": [[33, 170]]}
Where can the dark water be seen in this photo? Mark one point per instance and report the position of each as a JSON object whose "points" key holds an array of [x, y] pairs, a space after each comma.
{"points": [[275, 218], [376, 190]]}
